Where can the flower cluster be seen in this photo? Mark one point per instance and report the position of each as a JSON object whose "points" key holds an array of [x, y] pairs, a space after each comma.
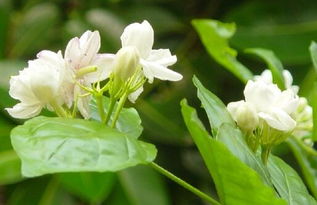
{"points": [[66, 83], [268, 115]]}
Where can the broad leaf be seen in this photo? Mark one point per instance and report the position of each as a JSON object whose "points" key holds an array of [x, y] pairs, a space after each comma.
{"points": [[129, 121], [91, 187], [48, 145], [236, 183], [214, 107], [234, 141], [215, 36], [308, 164], [272, 62], [288, 184]]}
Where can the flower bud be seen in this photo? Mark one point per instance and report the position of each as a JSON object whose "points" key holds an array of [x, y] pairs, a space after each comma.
{"points": [[244, 114], [126, 62]]}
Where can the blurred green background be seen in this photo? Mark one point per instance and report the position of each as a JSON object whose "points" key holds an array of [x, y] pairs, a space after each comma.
{"points": [[26, 27]]}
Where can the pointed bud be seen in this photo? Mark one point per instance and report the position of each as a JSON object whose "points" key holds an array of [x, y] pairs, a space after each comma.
{"points": [[244, 114], [126, 62]]}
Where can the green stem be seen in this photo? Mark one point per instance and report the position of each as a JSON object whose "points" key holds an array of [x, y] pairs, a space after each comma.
{"points": [[184, 184], [59, 109], [110, 109], [266, 149], [119, 108], [100, 107]]}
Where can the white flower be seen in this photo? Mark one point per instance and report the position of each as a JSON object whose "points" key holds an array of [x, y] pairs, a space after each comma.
{"points": [[244, 114], [39, 85], [80, 54], [266, 76], [83, 52], [153, 61], [272, 105]]}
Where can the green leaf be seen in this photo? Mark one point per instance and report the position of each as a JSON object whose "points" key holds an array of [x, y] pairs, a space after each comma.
{"points": [[144, 186], [313, 98], [313, 53], [92, 187], [234, 141], [308, 164], [129, 121], [272, 62], [48, 145], [215, 36], [236, 183], [10, 167], [216, 111], [288, 183]]}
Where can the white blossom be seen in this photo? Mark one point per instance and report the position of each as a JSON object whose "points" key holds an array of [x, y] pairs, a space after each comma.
{"points": [[82, 53], [153, 61], [272, 105], [39, 85]]}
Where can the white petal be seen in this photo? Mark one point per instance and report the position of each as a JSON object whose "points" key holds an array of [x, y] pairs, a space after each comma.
{"points": [[72, 53], [261, 95], [89, 46], [287, 101], [266, 76], [279, 120], [134, 96], [81, 51], [288, 79], [104, 68], [162, 57], [139, 35], [154, 70], [24, 111]]}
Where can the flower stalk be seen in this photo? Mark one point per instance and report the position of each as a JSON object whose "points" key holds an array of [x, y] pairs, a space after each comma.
{"points": [[184, 184]]}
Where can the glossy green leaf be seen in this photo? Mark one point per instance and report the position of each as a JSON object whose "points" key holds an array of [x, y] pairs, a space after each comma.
{"points": [[272, 62], [308, 164], [48, 145], [313, 53], [10, 167], [234, 141], [215, 36], [144, 186], [214, 107], [129, 121], [91, 187], [288, 184], [236, 183]]}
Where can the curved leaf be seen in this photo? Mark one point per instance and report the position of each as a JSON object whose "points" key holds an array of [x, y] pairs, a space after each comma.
{"points": [[215, 36], [236, 183], [234, 141], [288, 183], [216, 111], [272, 62], [129, 121], [308, 164], [48, 145]]}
